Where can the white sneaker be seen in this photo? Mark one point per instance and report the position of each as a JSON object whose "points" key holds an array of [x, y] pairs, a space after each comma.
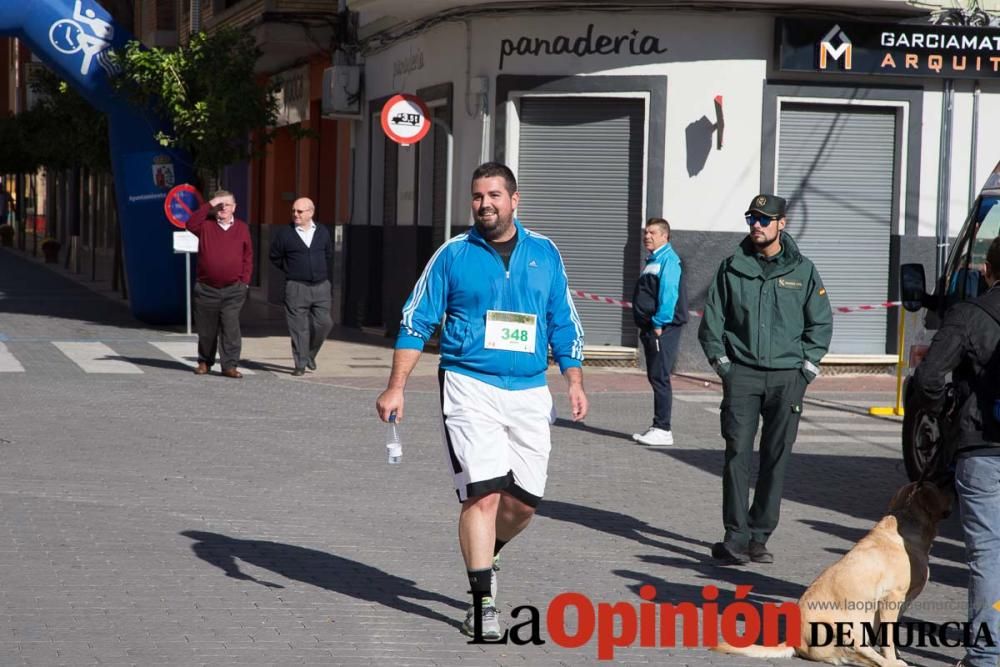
{"points": [[654, 437], [491, 621]]}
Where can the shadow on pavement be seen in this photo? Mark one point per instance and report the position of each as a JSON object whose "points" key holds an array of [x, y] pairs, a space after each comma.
{"points": [[724, 577], [168, 364], [318, 568], [613, 523], [267, 366], [30, 288], [940, 573], [696, 553], [579, 426], [859, 486]]}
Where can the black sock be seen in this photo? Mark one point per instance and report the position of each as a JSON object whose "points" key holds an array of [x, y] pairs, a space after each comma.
{"points": [[497, 546], [479, 582]]}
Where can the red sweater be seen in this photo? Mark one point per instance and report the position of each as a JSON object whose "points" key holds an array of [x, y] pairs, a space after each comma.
{"points": [[224, 256]]}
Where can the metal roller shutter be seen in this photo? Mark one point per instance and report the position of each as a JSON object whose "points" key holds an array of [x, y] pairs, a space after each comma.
{"points": [[580, 177], [835, 166]]}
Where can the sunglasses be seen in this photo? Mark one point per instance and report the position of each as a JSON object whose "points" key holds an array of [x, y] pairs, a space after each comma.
{"points": [[761, 220]]}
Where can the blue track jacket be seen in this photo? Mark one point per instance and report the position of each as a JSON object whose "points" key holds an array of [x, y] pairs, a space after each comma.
{"points": [[667, 264], [465, 278]]}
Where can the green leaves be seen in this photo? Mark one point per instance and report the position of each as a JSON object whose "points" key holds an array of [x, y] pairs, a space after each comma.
{"points": [[208, 93], [61, 132]]}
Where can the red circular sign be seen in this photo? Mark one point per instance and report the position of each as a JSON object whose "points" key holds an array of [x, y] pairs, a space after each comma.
{"points": [[406, 119], [182, 201]]}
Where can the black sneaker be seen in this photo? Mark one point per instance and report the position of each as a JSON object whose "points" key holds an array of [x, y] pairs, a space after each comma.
{"points": [[311, 364], [759, 553], [729, 554]]}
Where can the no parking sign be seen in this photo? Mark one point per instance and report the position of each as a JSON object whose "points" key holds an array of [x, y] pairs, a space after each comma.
{"points": [[181, 202], [406, 119]]}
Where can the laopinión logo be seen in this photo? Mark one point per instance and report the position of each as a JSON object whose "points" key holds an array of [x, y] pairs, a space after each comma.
{"points": [[739, 623], [828, 50]]}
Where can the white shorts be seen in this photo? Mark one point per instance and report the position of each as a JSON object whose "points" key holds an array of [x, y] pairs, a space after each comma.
{"points": [[496, 439]]}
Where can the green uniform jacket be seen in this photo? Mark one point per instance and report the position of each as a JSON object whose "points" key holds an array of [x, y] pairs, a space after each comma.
{"points": [[779, 322]]}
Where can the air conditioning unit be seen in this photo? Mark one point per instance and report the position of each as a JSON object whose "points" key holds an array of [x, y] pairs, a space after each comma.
{"points": [[342, 91]]}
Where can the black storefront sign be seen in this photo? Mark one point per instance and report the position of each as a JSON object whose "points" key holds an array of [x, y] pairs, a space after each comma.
{"points": [[896, 49]]}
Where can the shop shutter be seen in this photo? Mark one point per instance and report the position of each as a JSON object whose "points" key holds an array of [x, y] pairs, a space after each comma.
{"points": [[580, 177], [835, 167]]}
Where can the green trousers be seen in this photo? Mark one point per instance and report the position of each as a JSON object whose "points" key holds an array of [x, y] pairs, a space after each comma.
{"points": [[748, 395]]}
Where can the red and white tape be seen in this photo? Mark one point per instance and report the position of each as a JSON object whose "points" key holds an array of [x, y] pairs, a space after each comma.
{"points": [[615, 302], [856, 309], [601, 299], [698, 313]]}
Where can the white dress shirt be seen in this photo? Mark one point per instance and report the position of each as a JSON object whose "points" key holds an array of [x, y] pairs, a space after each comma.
{"points": [[306, 234]]}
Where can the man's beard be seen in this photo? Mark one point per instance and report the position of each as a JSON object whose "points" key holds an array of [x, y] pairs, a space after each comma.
{"points": [[495, 230], [765, 242]]}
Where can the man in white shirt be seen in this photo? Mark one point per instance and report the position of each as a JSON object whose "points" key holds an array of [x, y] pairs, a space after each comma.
{"points": [[303, 251]]}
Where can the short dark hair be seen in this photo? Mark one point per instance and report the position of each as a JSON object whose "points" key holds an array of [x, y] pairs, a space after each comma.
{"points": [[494, 169], [659, 222], [993, 258]]}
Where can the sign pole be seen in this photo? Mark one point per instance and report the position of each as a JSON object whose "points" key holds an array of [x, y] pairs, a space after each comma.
{"points": [[897, 410], [180, 203], [187, 290]]}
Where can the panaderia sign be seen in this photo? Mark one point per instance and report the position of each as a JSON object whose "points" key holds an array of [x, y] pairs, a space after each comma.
{"points": [[896, 49]]}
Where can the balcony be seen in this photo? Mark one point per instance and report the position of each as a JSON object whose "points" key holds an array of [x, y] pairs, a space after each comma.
{"points": [[287, 31]]}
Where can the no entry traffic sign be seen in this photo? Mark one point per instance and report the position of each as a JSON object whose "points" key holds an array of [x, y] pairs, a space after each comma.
{"points": [[405, 119], [181, 202]]}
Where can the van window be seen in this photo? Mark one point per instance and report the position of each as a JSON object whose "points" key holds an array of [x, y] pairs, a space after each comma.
{"points": [[989, 229], [968, 277]]}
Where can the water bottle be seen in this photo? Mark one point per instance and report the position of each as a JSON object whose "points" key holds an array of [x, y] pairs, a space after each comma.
{"points": [[393, 445]]}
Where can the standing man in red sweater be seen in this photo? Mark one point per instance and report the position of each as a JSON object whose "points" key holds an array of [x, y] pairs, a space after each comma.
{"points": [[225, 262]]}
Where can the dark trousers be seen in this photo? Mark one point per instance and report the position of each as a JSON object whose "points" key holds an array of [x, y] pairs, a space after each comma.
{"points": [[217, 321], [307, 310], [748, 394], [661, 353]]}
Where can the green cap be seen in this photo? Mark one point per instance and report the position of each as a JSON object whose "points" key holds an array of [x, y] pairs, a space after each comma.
{"points": [[772, 206]]}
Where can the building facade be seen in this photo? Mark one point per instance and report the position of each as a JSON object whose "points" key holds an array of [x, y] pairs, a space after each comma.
{"points": [[610, 117], [309, 156]]}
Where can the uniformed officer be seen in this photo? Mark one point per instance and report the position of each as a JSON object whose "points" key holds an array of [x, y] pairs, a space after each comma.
{"points": [[766, 326]]}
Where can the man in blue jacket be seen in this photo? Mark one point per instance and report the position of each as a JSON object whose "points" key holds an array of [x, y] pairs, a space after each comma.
{"points": [[659, 307], [504, 291]]}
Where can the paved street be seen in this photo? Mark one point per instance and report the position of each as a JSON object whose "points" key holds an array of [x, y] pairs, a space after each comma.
{"points": [[150, 516]]}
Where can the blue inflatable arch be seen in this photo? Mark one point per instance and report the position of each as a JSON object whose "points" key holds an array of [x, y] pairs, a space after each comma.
{"points": [[75, 38]]}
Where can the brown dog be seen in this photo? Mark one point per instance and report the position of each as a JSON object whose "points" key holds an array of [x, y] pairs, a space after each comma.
{"points": [[873, 583]]}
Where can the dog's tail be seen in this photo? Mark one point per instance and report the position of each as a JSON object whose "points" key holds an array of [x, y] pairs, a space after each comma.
{"points": [[757, 651]]}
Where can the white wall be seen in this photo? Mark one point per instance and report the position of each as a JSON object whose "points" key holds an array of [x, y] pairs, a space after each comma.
{"points": [[443, 52], [708, 55], [734, 68], [987, 154]]}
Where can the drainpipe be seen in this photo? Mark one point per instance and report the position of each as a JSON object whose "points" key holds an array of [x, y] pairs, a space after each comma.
{"points": [[195, 24], [449, 177], [975, 140], [944, 176]]}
